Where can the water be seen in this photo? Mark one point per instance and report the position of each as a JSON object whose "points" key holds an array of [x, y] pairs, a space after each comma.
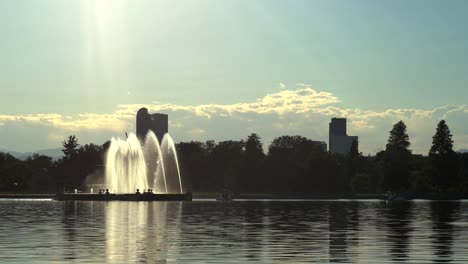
{"points": [[232, 232]]}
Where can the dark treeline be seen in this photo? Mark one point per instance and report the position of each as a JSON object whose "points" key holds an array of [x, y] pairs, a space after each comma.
{"points": [[291, 164], [295, 164], [41, 174]]}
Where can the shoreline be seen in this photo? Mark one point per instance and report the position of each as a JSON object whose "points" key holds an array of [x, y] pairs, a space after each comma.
{"points": [[285, 196]]}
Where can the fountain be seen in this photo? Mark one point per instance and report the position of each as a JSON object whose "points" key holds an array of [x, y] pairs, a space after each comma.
{"points": [[131, 166], [156, 173], [126, 166], [170, 154]]}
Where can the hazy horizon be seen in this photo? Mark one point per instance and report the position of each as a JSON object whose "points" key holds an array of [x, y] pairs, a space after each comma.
{"points": [[225, 69]]}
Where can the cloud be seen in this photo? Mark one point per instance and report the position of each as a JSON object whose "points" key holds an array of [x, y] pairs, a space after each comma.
{"points": [[80, 121], [196, 131], [282, 86], [300, 100], [303, 111]]}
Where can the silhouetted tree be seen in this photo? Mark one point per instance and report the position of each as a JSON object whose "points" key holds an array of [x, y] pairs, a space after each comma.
{"points": [[195, 169], [251, 178], [40, 180], [442, 143], [463, 172], [398, 139], [227, 158], [420, 175], [70, 146], [295, 163], [254, 147], [72, 171], [397, 158], [13, 174], [352, 161], [443, 159]]}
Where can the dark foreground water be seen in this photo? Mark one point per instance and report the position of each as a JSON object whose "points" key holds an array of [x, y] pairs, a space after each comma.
{"points": [[234, 232]]}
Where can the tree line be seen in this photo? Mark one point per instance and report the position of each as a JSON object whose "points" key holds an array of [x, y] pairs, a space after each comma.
{"points": [[42, 174], [291, 164], [295, 164]]}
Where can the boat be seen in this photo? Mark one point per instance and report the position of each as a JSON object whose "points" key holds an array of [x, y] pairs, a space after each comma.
{"points": [[123, 197], [396, 198]]}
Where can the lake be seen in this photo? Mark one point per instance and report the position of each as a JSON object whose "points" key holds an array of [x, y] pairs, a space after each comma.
{"points": [[45, 231]]}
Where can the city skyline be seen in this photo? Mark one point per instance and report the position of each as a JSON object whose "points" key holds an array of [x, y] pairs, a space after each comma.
{"points": [[223, 70]]}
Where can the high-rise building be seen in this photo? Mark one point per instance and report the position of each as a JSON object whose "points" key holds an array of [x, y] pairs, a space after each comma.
{"points": [[339, 141], [158, 123]]}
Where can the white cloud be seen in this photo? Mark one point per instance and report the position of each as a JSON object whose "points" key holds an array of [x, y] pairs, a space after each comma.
{"points": [[196, 131], [302, 111]]}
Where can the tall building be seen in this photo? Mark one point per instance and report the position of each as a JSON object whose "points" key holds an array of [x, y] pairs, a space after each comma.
{"points": [[339, 141], [158, 123]]}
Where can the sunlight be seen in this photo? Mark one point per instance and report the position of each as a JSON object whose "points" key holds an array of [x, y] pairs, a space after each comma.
{"points": [[105, 49]]}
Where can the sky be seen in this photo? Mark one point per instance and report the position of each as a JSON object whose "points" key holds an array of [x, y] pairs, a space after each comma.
{"points": [[225, 69]]}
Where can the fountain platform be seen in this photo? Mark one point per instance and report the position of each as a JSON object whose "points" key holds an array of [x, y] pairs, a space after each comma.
{"points": [[123, 197]]}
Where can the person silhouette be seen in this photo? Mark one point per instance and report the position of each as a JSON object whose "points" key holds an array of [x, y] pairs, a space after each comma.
{"points": [[138, 191]]}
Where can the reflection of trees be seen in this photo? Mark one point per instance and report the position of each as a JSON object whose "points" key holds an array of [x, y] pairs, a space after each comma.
{"points": [[266, 232], [398, 221], [342, 218], [83, 231], [256, 224], [443, 214]]}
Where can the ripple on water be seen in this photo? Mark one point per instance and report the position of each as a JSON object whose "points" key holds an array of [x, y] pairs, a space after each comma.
{"points": [[236, 232]]}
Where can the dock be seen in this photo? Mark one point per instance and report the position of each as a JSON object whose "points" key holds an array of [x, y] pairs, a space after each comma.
{"points": [[123, 197]]}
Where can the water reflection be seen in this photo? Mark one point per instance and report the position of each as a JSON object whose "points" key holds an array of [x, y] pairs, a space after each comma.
{"points": [[398, 220], [343, 222], [141, 231], [233, 232], [82, 222], [443, 215]]}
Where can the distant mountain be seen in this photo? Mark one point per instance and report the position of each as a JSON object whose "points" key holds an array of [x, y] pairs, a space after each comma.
{"points": [[13, 153], [462, 151], [53, 153]]}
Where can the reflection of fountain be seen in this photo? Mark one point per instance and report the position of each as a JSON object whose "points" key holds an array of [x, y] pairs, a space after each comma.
{"points": [[142, 232], [131, 166]]}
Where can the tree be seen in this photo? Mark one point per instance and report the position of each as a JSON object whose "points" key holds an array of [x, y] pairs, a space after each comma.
{"points": [[397, 158], [13, 173], [70, 147], [40, 179], [195, 170], [444, 160], [251, 178], [352, 161], [398, 139], [442, 143], [254, 147], [226, 159], [295, 164]]}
